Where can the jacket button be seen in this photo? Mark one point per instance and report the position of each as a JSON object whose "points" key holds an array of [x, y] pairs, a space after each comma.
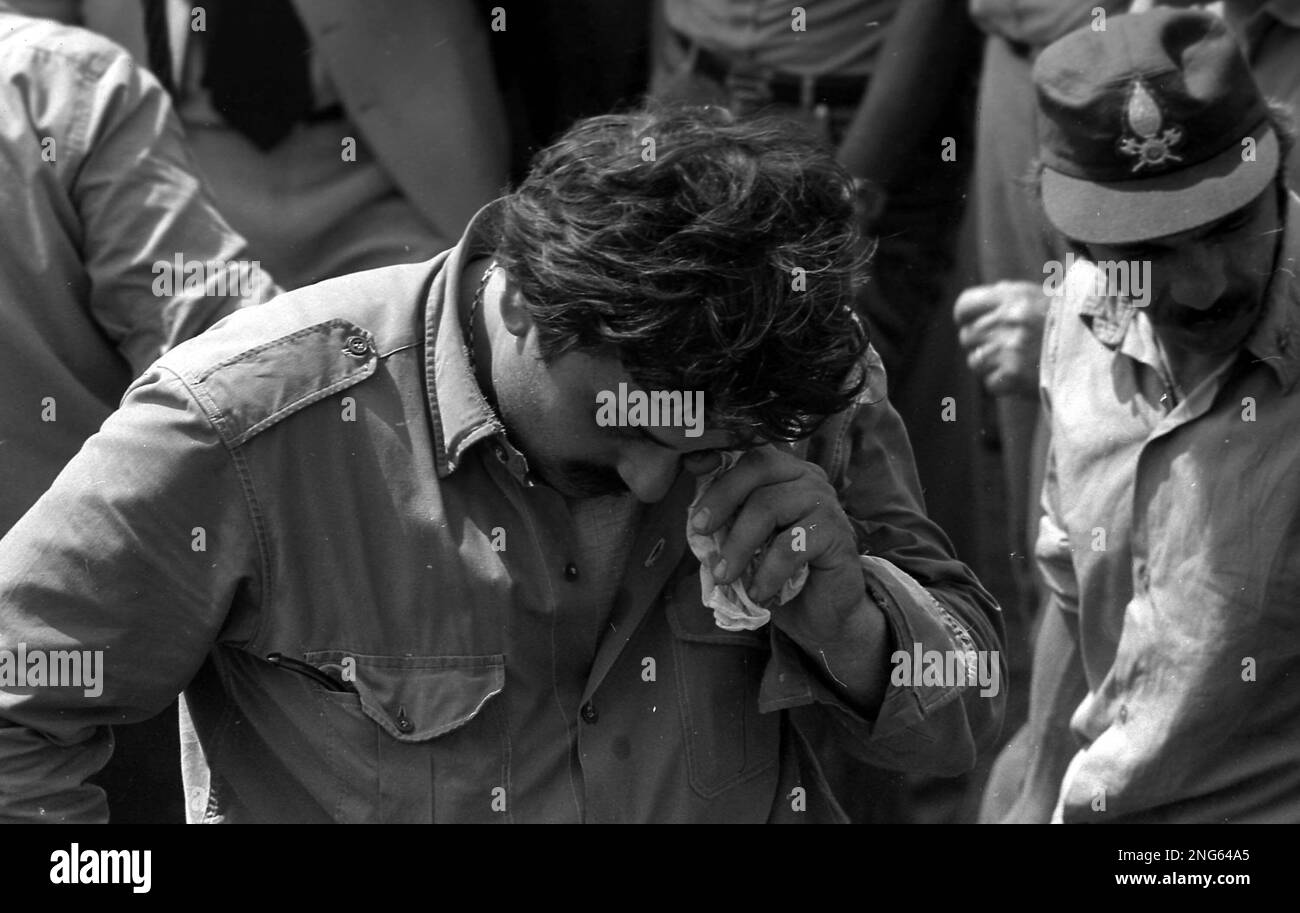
{"points": [[571, 572], [589, 713], [405, 725], [357, 346]]}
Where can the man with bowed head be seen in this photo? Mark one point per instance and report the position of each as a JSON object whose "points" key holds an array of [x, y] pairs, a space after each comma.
{"points": [[435, 588]]}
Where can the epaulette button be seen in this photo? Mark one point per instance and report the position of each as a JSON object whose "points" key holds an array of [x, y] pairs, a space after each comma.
{"points": [[357, 346]]}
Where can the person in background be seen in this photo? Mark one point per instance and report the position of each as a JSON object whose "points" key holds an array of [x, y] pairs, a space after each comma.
{"points": [[1163, 672], [112, 254], [1269, 34], [1002, 318], [594, 53], [881, 82], [335, 137]]}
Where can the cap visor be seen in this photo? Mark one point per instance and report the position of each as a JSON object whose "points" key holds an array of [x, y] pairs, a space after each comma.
{"points": [[1129, 212]]}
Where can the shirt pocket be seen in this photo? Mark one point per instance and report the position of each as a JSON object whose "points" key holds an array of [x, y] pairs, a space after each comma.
{"points": [[421, 740], [718, 674]]}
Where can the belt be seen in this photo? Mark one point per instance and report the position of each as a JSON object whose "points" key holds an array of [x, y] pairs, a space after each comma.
{"points": [[763, 84]]}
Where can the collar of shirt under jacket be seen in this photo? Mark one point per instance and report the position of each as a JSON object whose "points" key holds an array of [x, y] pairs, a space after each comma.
{"points": [[462, 415]]}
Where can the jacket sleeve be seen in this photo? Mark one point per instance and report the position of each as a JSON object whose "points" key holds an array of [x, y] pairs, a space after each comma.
{"points": [[143, 211], [930, 602], [132, 559]]}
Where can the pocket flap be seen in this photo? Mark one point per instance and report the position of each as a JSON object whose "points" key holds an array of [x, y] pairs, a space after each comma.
{"points": [[418, 697]]}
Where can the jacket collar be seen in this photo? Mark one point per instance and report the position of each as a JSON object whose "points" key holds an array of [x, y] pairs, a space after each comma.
{"points": [[462, 416], [1275, 340]]}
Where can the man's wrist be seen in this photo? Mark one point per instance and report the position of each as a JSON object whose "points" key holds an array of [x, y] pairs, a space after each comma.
{"points": [[850, 654]]}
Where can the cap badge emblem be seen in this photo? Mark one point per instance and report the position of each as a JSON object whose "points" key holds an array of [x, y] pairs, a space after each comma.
{"points": [[1147, 141]]}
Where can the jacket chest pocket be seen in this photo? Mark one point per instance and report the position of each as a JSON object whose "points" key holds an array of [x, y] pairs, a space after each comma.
{"points": [[422, 740], [718, 674]]}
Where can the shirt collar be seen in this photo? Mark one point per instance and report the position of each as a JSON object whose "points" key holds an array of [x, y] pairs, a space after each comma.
{"points": [[1275, 339], [462, 416]]}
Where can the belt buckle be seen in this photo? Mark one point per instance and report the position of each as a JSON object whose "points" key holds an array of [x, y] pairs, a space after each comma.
{"points": [[749, 86]]}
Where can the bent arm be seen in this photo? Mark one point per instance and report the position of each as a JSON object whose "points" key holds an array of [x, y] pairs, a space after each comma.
{"points": [[132, 558]]}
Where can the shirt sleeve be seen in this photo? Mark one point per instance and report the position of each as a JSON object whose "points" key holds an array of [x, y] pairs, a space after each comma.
{"points": [[1058, 683], [931, 602], [163, 264], [132, 561]]}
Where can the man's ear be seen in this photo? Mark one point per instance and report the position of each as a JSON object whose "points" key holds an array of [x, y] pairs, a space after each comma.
{"points": [[514, 312]]}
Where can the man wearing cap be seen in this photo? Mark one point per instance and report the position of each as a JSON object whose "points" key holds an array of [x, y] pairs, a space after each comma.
{"points": [[1165, 672]]}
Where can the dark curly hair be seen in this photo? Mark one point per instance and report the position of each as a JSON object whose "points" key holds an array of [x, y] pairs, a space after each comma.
{"points": [[676, 237]]}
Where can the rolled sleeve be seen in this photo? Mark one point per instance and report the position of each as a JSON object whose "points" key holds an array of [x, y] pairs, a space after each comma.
{"points": [[935, 728]]}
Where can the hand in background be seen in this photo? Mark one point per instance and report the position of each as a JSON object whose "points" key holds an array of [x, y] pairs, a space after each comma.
{"points": [[1001, 329]]}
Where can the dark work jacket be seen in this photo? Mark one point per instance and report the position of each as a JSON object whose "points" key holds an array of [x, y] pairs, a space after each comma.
{"points": [[321, 478]]}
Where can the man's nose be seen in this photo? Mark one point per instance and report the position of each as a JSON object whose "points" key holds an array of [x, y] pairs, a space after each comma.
{"points": [[651, 474], [1198, 276]]}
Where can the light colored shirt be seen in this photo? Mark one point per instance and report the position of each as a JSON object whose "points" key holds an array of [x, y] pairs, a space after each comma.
{"points": [[100, 198], [840, 37], [1172, 542]]}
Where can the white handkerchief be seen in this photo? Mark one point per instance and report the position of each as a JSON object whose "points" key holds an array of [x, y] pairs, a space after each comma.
{"points": [[733, 610]]}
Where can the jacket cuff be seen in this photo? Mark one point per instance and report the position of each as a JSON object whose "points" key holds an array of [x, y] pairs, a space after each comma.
{"points": [[917, 622]]}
